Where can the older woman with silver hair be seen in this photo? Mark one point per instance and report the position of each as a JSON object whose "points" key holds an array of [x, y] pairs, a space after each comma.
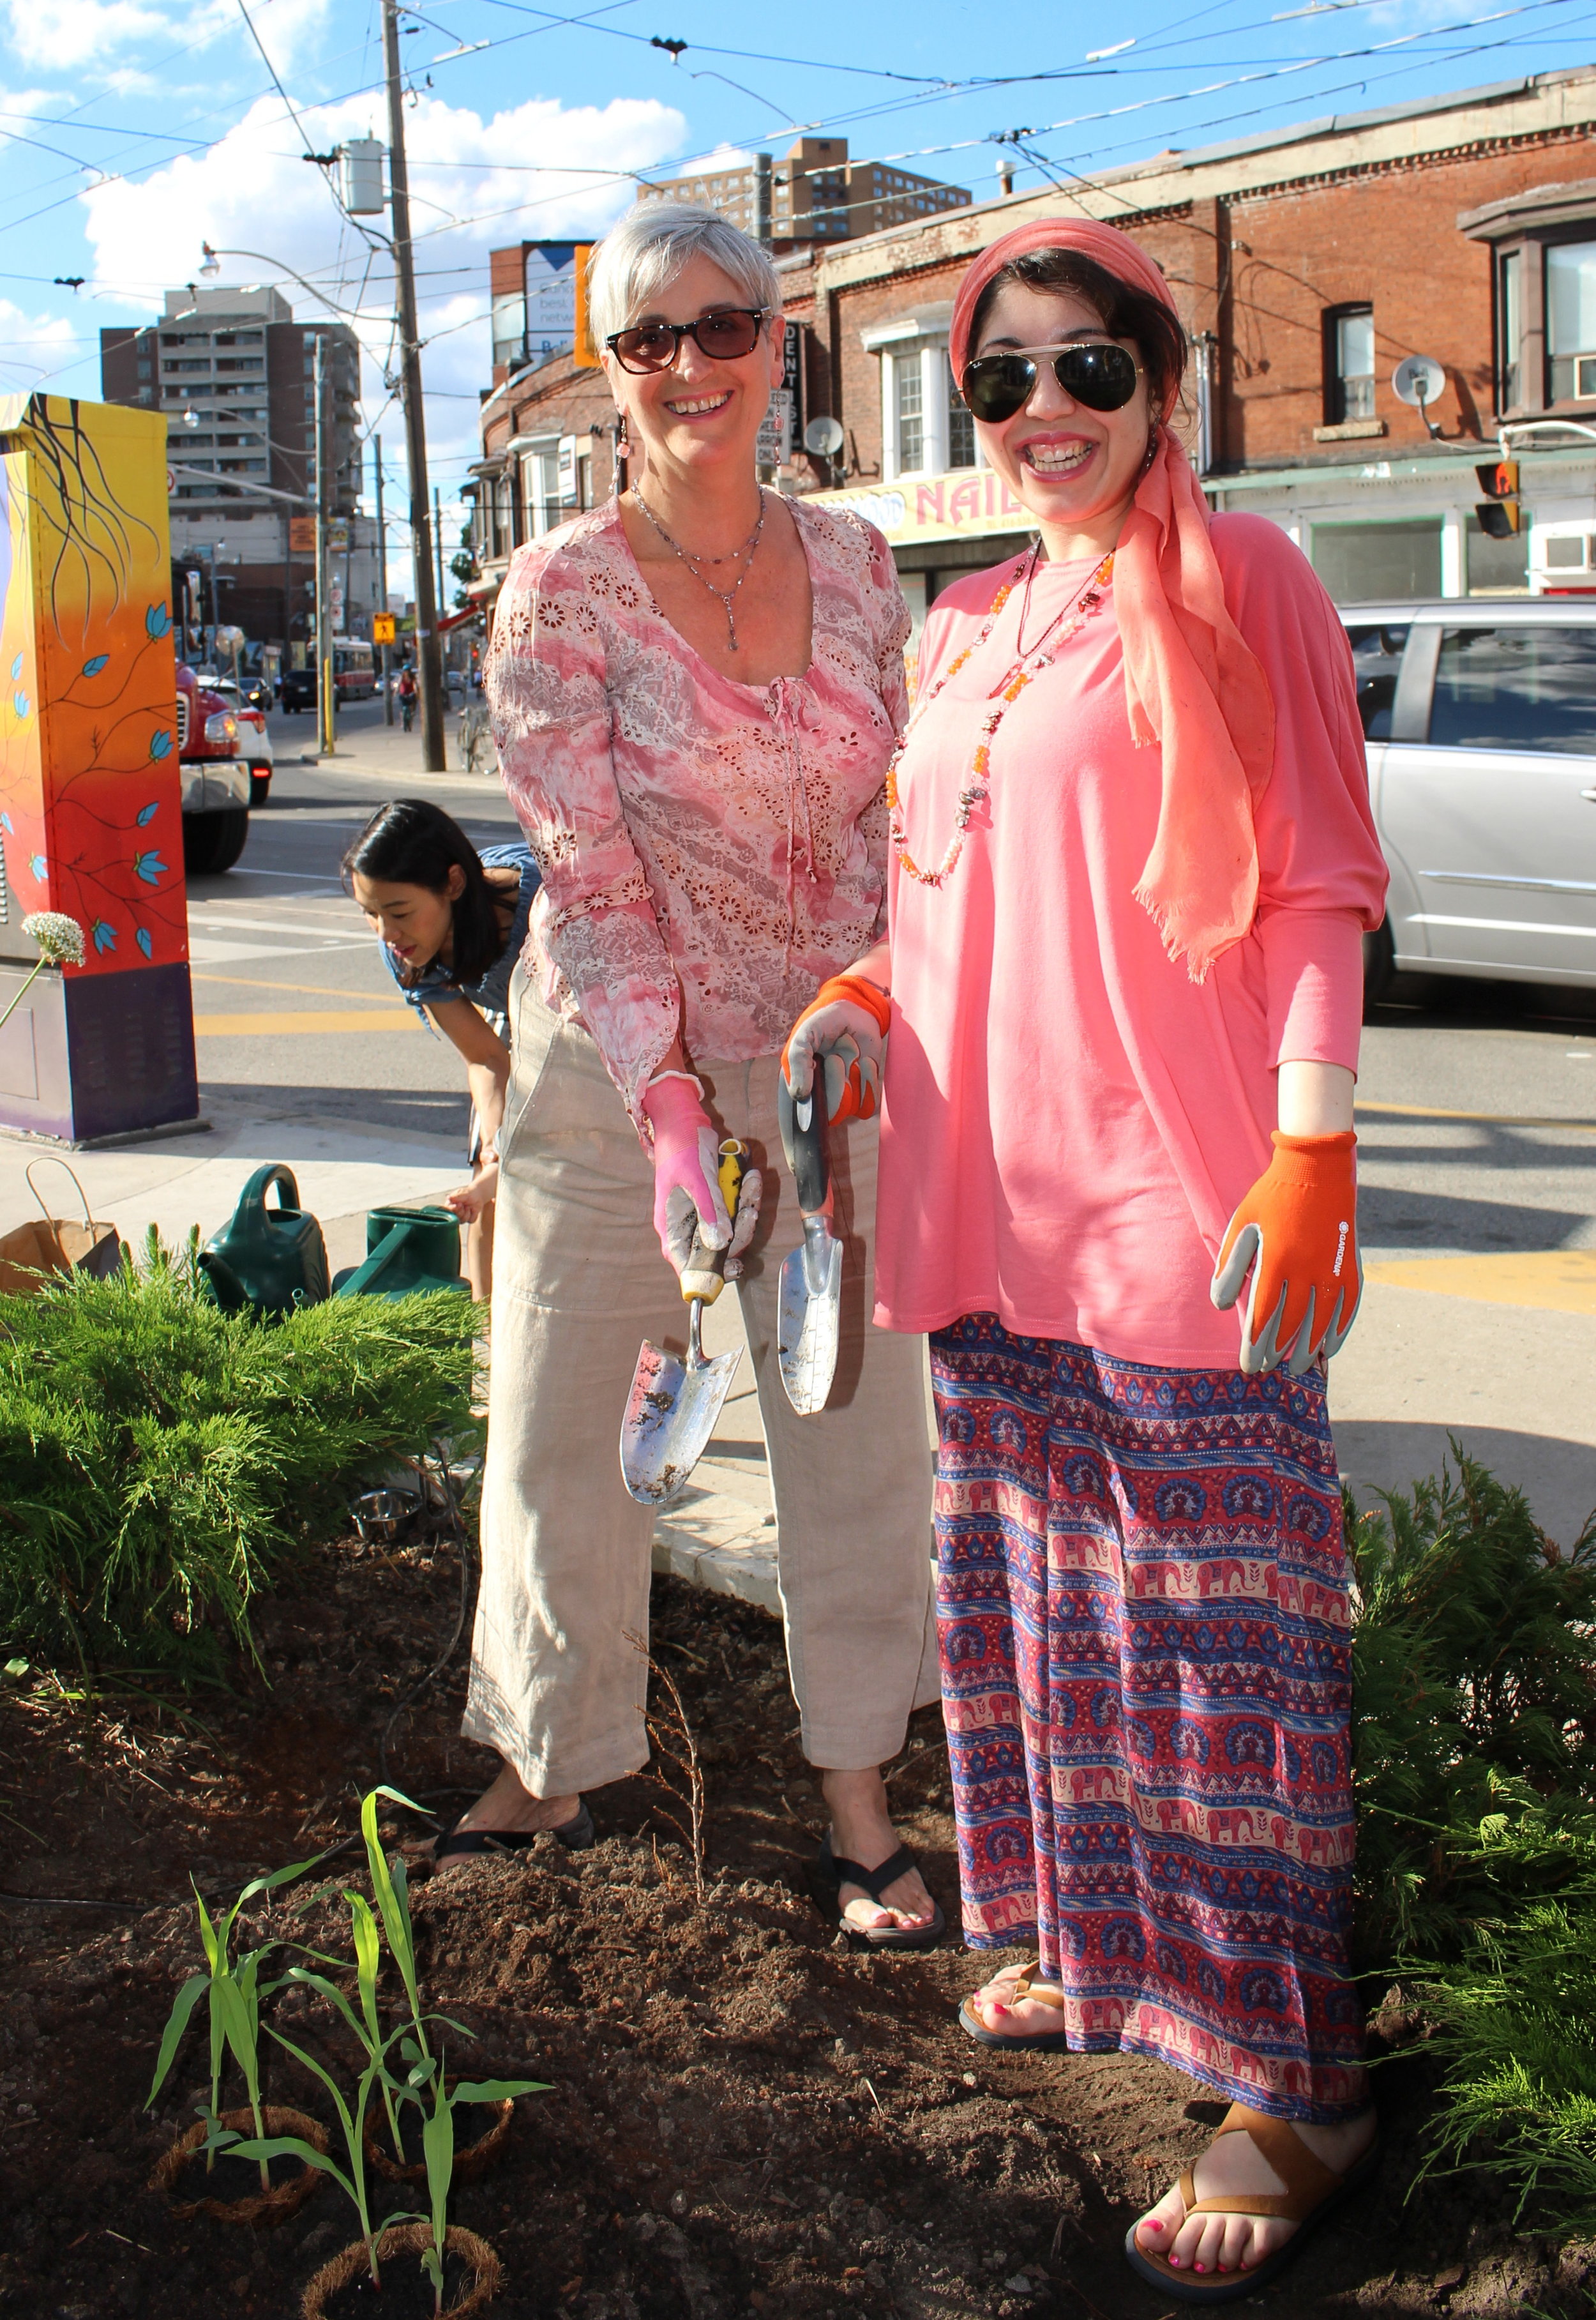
{"points": [[695, 691]]}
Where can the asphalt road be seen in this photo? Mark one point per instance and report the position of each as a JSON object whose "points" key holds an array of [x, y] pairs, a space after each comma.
{"points": [[294, 1012]]}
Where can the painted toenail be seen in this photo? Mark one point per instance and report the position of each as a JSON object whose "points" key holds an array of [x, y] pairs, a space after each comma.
{"points": [[1199, 2266], [1155, 2226]]}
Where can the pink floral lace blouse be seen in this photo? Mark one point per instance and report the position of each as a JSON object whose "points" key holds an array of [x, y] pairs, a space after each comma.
{"points": [[710, 850]]}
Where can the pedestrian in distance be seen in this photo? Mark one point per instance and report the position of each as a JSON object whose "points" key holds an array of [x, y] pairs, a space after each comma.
{"points": [[695, 690], [451, 923], [1132, 863], [407, 695]]}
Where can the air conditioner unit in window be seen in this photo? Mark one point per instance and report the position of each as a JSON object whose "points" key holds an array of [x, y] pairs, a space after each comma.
{"points": [[1584, 374]]}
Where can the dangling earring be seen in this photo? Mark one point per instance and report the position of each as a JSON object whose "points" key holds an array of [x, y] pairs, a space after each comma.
{"points": [[623, 452], [1152, 449]]}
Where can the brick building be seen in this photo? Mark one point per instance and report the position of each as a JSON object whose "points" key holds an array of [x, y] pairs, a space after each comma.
{"points": [[1305, 264], [813, 194], [233, 372]]}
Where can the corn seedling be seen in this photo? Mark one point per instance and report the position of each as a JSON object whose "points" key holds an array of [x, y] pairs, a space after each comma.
{"points": [[352, 2182], [233, 1990], [437, 2146]]}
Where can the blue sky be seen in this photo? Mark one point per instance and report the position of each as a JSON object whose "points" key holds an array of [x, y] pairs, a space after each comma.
{"points": [[130, 131]]}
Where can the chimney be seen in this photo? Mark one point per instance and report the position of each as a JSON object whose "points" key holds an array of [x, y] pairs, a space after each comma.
{"points": [[1006, 176]]}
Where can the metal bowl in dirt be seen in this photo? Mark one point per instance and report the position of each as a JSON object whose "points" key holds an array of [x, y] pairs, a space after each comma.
{"points": [[380, 1517]]}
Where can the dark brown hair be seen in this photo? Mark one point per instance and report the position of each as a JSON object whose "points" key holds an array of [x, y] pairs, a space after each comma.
{"points": [[411, 842], [1124, 311]]}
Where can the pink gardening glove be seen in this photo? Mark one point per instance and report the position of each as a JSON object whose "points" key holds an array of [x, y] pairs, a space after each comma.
{"points": [[686, 1148]]}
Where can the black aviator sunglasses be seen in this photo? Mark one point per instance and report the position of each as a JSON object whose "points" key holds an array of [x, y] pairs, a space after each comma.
{"points": [[1098, 374], [725, 336]]}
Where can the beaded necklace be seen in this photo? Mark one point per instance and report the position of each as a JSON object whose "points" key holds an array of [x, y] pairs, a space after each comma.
{"points": [[1074, 618]]}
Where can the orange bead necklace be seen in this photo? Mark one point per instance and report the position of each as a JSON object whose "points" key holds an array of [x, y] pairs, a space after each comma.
{"points": [[1029, 664]]}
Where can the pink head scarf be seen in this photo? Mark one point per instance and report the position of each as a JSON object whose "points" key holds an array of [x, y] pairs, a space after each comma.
{"points": [[1192, 683]]}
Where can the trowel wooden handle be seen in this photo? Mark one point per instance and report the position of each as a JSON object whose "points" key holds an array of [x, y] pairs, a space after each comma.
{"points": [[704, 1273]]}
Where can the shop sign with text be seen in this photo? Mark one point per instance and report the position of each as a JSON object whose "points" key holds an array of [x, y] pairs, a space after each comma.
{"points": [[961, 505]]}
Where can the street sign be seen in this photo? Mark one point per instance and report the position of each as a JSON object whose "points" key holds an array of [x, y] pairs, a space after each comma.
{"points": [[338, 538], [383, 628], [783, 423], [301, 535]]}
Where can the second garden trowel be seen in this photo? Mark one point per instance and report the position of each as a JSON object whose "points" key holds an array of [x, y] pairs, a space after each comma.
{"points": [[673, 1404], [810, 1301]]}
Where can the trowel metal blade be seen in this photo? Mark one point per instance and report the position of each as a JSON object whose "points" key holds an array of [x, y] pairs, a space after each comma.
{"points": [[810, 1301], [670, 1414]]}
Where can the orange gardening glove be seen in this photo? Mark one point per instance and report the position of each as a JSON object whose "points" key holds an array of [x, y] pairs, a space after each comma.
{"points": [[844, 1031], [1297, 1231]]}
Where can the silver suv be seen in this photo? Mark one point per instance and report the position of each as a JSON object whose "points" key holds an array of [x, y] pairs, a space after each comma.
{"points": [[1479, 717]]}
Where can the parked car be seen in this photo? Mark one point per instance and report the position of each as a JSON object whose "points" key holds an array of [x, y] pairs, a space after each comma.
{"points": [[255, 743], [215, 779], [1479, 718]]}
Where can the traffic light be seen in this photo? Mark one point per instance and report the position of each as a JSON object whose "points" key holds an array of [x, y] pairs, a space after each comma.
{"points": [[1500, 513]]}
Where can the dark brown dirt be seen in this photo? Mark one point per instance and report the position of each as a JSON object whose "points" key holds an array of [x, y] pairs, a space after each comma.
{"points": [[747, 2115]]}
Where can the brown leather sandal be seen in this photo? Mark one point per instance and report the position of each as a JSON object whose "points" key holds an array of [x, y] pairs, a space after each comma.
{"points": [[1312, 2191], [1035, 2041]]}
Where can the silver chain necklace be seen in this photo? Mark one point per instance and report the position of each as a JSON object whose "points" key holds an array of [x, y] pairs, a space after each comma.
{"points": [[724, 597]]}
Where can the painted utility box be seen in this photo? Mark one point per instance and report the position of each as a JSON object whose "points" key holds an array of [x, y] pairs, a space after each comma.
{"points": [[90, 811]]}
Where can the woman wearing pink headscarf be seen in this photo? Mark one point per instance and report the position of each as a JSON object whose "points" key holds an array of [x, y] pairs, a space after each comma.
{"points": [[1133, 862]]}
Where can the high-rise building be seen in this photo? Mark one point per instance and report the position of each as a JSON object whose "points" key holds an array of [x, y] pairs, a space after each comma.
{"points": [[233, 373], [818, 195]]}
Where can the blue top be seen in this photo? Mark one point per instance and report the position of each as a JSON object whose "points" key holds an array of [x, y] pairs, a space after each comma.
{"points": [[435, 985]]}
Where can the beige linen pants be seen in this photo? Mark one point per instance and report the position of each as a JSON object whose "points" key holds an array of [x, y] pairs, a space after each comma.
{"points": [[579, 1282]]}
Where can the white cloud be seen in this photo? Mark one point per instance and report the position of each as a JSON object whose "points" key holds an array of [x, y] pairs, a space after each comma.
{"points": [[87, 31], [34, 346]]}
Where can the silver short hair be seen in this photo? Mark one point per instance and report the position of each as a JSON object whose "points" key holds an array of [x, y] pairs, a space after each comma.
{"points": [[650, 246]]}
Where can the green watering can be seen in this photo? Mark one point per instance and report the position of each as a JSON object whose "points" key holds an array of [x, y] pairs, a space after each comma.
{"points": [[272, 1260], [406, 1250]]}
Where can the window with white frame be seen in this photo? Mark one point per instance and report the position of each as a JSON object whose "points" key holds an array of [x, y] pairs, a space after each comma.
{"points": [[540, 488], [926, 429], [1571, 319]]}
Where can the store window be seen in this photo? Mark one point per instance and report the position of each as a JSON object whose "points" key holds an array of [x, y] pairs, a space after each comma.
{"points": [[1571, 319], [1349, 333], [1368, 563]]}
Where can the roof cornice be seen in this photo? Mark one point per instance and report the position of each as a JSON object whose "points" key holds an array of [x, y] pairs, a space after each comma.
{"points": [[1328, 147]]}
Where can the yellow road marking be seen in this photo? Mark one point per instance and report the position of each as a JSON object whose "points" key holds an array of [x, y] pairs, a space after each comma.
{"points": [[259, 983], [1486, 1118], [1557, 1280], [267, 1023]]}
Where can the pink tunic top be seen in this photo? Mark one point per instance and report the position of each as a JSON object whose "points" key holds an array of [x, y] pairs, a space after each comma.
{"points": [[1070, 1120], [710, 851]]}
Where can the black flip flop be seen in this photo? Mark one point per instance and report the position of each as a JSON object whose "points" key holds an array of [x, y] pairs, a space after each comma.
{"points": [[1032, 2041], [577, 1835], [837, 1871]]}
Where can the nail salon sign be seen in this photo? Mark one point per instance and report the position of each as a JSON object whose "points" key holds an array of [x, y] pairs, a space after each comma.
{"points": [[962, 505]]}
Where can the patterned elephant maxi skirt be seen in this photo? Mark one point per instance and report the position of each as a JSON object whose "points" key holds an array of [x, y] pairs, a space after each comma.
{"points": [[1142, 1602]]}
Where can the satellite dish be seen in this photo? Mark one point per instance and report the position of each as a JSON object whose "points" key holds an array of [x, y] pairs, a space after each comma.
{"points": [[1419, 379], [824, 437]]}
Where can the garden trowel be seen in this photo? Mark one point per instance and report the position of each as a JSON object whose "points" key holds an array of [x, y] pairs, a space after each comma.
{"points": [[673, 1404], [810, 1294]]}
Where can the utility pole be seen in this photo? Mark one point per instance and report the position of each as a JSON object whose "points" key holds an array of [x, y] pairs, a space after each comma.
{"points": [[325, 710], [429, 659], [383, 582]]}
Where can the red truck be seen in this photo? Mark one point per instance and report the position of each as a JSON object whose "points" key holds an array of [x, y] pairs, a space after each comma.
{"points": [[215, 777]]}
